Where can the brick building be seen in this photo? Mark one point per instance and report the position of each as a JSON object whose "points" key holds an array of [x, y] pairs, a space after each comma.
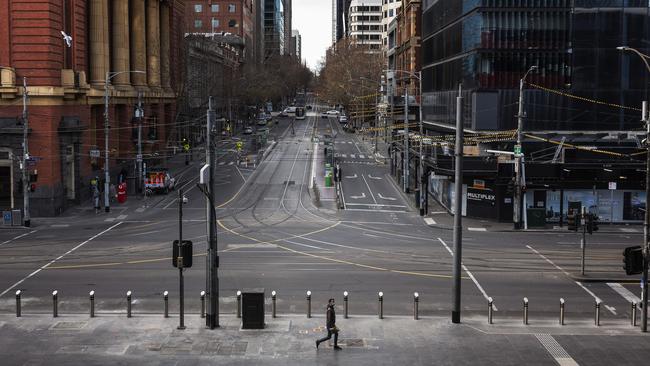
{"points": [[216, 16], [66, 90]]}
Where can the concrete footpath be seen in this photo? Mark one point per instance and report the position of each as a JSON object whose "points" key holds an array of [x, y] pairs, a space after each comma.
{"points": [[289, 340]]}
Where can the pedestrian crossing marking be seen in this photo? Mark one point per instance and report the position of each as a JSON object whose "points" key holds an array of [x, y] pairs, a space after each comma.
{"points": [[362, 157], [429, 221], [231, 163], [222, 163], [352, 156]]}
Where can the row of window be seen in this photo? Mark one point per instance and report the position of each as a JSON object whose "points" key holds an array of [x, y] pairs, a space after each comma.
{"points": [[198, 23], [359, 9], [389, 13], [358, 28], [366, 18], [214, 8], [389, 1]]}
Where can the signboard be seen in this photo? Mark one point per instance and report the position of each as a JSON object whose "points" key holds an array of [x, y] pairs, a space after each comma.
{"points": [[6, 217], [612, 186], [481, 196], [479, 183], [138, 158], [239, 145], [517, 149], [94, 153]]}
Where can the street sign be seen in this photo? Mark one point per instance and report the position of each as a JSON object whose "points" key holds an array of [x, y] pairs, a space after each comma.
{"points": [[138, 158], [518, 149], [94, 153], [612, 186], [239, 145], [186, 147]]}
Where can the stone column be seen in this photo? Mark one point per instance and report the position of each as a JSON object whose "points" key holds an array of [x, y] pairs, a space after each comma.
{"points": [[121, 57], [153, 44], [164, 46], [138, 43], [99, 62]]}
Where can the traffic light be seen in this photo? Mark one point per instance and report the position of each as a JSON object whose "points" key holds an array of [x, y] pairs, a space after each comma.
{"points": [[633, 260], [185, 252], [573, 221], [32, 187]]}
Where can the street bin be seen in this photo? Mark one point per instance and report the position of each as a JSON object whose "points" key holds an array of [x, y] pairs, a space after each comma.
{"points": [[121, 192], [16, 218], [328, 180], [536, 217], [252, 309]]}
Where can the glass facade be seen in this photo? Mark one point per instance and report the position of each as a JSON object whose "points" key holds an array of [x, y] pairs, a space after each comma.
{"points": [[488, 45], [273, 27]]}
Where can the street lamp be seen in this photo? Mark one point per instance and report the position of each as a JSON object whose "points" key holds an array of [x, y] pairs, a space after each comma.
{"points": [[107, 176], [418, 76], [26, 216], [646, 224], [519, 157]]}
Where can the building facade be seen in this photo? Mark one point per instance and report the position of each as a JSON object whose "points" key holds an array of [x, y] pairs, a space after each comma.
{"points": [[365, 17], [65, 83], [296, 44], [389, 10], [274, 28], [224, 16], [340, 14]]}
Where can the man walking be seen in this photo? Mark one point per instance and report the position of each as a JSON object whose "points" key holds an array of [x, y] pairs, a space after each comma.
{"points": [[331, 326]]}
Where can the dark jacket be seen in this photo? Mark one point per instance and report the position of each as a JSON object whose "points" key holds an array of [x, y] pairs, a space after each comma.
{"points": [[331, 317]]}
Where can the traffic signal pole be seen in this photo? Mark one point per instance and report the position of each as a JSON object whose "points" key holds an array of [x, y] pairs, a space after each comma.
{"points": [[583, 241], [458, 229], [212, 259], [646, 223], [26, 185], [181, 282]]}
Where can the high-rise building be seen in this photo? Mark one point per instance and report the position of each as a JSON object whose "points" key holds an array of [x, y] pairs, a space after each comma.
{"points": [[296, 44], [66, 86], [340, 12], [389, 9], [287, 26], [274, 28], [365, 23]]}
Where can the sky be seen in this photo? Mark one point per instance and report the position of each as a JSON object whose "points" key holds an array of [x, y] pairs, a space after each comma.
{"points": [[313, 19]]}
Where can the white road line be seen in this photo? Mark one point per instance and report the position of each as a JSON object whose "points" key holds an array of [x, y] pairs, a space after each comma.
{"points": [[313, 166], [58, 226], [304, 245], [478, 285], [386, 198], [110, 219], [357, 146], [568, 275], [231, 163], [122, 217], [369, 190], [18, 237], [363, 195], [377, 178], [352, 176], [476, 229], [59, 257], [627, 294], [344, 156], [429, 221], [140, 209], [362, 157], [376, 205], [376, 211], [222, 163], [352, 156]]}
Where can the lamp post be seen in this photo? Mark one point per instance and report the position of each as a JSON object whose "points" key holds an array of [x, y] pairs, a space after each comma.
{"points": [[646, 223], [107, 176], [519, 156]]}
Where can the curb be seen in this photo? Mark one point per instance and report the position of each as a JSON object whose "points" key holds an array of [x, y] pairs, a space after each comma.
{"points": [[268, 151]]}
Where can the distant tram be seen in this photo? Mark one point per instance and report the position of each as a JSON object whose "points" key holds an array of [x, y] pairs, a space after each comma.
{"points": [[300, 112]]}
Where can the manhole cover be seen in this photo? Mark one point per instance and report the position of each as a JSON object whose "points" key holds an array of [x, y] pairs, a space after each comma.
{"points": [[291, 182], [68, 325], [353, 342]]}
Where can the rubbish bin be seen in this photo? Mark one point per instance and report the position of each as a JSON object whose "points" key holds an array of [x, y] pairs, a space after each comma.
{"points": [[252, 309], [16, 217], [328, 180]]}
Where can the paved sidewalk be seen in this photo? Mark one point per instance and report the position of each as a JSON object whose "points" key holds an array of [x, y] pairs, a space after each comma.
{"points": [[289, 340]]}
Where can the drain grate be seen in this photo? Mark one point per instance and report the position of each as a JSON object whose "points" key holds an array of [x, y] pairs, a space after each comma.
{"points": [[290, 183]]}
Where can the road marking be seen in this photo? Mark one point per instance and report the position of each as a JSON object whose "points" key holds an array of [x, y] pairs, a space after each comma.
{"points": [[371, 210], [627, 294], [437, 212], [611, 309], [371, 177], [122, 217], [357, 146], [140, 209], [363, 195], [58, 226], [478, 285], [476, 229], [369, 190], [625, 230], [596, 298], [376, 204], [355, 176], [352, 156], [110, 219], [222, 163], [556, 350], [344, 156], [429, 221], [362, 157], [231, 163], [18, 237], [59, 257], [313, 166], [386, 198]]}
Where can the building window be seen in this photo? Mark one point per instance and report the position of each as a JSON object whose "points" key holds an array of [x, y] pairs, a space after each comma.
{"points": [[198, 8], [198, 23], [214, 8], [390, 12], [215, 23], [232, 23], [231, 8]]}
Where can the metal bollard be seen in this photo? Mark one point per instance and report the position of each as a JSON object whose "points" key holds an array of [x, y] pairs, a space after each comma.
{"points": [[166, 303], [273, 304], [381, 305], [18, 310], [238, 304], [416, 300], [55, 303], [597, 313], [525, 310], [202, 304], [345, 304], [490, 309], [561, 311], [92, 303], [308, 304], [633, 320], [128, 304]]}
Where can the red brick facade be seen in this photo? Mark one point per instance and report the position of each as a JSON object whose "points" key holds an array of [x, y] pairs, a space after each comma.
{"points": [[66, 118]]}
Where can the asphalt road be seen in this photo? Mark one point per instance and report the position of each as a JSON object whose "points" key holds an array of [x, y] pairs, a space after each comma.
{"points": [[272, 235]]}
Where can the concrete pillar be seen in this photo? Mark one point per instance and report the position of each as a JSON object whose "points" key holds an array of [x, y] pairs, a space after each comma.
{"points": [[138, 43], [164, 46], [99, 61], [120, 31], [153, 43]]}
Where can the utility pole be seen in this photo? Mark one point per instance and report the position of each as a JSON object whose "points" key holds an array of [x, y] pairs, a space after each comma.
{"points": [[583, 240], [107, 176], [181, 290], [519, 157], [139, 115], [26, 217], [458, 193], [376, 121], [212, 259], [646, 224], [406, 139], [422, 193]]}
